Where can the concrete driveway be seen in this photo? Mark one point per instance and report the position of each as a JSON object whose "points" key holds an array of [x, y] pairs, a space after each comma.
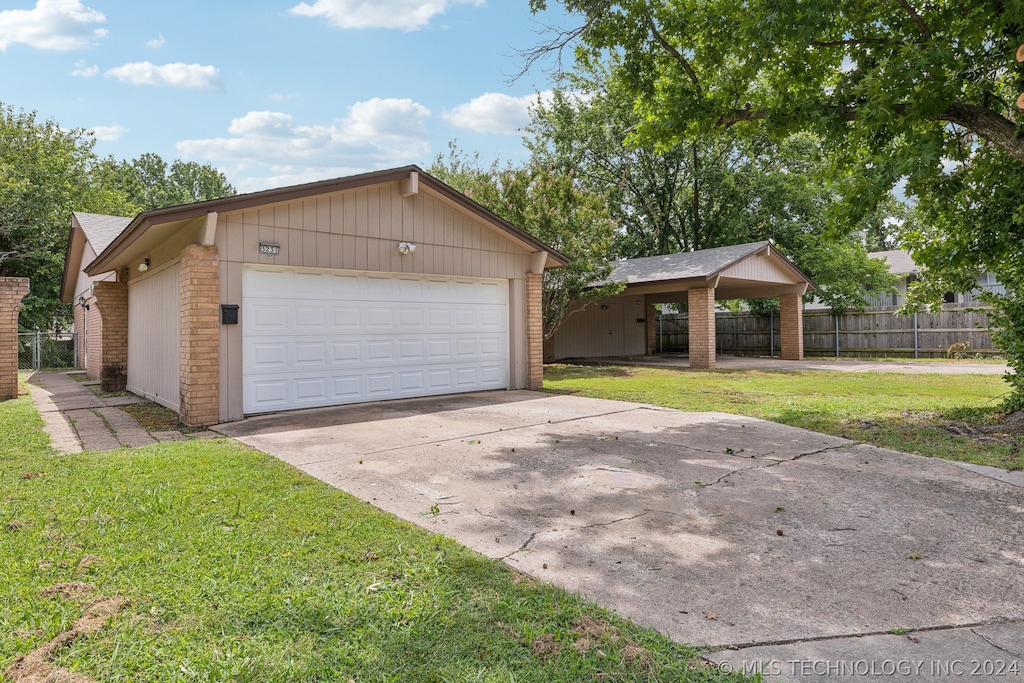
{"points": [[715, 529]]}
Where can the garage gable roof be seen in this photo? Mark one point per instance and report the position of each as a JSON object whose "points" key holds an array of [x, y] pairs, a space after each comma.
{"points": [[92, 229], [99, 229], [107, 260]]}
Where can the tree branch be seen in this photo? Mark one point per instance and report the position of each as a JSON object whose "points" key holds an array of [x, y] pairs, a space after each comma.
{"points": [[925, 33], [990, 125], [676, 54], [856, 41]]}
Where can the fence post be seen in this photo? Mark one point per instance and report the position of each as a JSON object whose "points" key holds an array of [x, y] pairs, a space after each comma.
{"points": [[771, 334], [38, 351], [74, 348], [661, 314], [837, 335], [916, 351]]}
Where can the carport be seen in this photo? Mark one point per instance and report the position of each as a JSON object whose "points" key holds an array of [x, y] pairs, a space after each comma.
{"points": [[624, 325]]}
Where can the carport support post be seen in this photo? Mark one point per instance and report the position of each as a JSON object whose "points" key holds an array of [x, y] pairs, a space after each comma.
{"points": [[791, 322], [112, 304], [200, 336], [535, 330], [12, 291], [652, 320], [702, 328]]}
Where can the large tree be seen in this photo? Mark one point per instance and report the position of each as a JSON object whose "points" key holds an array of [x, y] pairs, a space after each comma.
{"points": [[46, 172], [705, 192], [553, 207], [898, 92], [150, 183]]}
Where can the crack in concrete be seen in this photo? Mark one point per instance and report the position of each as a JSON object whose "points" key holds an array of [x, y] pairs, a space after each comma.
{"points": [[861, 634], [822, 450], [614, 521], [770, 463], [522, 547], [773, 463], [998, 647]]}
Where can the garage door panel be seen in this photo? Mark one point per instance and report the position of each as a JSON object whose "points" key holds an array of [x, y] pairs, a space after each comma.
{"points": [[379, 317], [327, 338]]}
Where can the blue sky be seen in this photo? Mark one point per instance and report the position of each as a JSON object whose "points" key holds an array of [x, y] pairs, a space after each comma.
{"points": [[277, 92]]}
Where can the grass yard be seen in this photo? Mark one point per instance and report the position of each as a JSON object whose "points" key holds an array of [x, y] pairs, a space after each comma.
{"points": [[944, 416], [236, 567]]}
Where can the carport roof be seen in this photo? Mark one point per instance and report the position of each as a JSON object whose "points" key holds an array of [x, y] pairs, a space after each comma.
{"points": [[734, 271]]}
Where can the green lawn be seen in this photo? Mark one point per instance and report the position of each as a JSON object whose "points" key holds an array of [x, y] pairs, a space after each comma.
{"points": [[912, 413], [237, 567]]}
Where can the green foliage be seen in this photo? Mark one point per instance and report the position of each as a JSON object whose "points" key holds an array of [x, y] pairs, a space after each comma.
{"points": [[707, 192], [896, 92], [556, 208], [46, 173], [150, 183], [973, 221]]}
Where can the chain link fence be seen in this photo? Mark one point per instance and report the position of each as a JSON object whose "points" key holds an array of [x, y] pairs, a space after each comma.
{"points": [[47, 351]]}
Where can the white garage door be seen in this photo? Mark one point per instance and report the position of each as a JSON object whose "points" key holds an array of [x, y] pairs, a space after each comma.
{"points": [[319, 338]]}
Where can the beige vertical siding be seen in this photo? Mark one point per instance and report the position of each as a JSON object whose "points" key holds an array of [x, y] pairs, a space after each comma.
{"points": [[359, 230], [596, 332], [759, 269], [154, 315], [93, 331]]}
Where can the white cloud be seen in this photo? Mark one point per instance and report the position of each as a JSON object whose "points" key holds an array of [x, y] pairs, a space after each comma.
{"points": [[156, 43], [175, 75], [496, 112], [377, 133], [58, 25], [406, 15], [109, 133], [84, 70]]}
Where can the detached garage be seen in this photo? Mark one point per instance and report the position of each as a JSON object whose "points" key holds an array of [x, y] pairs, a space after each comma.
{"points": [[379, 286]]}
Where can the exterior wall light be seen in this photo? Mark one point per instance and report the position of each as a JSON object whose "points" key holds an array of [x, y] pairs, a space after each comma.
{"points": [[144, 266], [406, 248]]}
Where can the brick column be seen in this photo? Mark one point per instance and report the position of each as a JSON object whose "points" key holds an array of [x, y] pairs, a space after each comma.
{"points": [[200, 336], [535, 330], [791, 321], [702, 328], [12, 291], [111, 300], [652, 328]]}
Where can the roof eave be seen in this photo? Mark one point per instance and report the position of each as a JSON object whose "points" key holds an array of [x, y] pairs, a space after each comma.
{"points": [[145, 220]]}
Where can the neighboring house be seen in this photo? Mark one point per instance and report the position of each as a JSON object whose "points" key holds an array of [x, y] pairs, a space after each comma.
{"points": [[624, 325], [90, 235], [377, 286], [902, 264]]}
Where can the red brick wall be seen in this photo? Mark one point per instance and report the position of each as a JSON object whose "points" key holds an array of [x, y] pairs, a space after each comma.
{"points": [[108, 331], [12, 291], [791, 320], [702, 328], [200, 336]]}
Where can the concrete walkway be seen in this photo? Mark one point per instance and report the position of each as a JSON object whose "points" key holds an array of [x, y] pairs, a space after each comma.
{"points": [[940, 367], [77, 419], [803, 556]]}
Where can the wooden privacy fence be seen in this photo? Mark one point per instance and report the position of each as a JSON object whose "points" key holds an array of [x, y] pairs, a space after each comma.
{"points": [[870, 333]]}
